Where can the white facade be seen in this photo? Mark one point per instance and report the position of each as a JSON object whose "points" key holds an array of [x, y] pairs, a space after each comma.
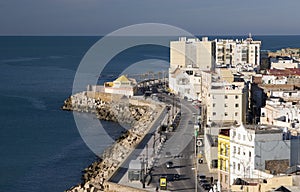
{"points": [[243, 53], [284, 63], [281, 114], [251, 147], [185, 83], [274, 79]]}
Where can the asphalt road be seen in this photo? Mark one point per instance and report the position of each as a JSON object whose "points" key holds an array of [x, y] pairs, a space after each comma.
{"points": [[179, 149]]}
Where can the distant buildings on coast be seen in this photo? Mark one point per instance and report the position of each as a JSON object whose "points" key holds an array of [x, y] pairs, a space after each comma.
{"points": [[250, 115], [250, 108]]}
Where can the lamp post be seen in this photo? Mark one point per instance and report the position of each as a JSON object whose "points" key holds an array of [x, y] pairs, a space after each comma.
{"points": [[143, 171], [196, 167]]}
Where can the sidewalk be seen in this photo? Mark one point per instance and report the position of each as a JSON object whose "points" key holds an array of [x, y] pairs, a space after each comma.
{"points": [[152, 159]]}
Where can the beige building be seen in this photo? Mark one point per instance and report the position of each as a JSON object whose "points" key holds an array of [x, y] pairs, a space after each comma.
{"points": [[266, 185], [192, 53], [286, 52], [227, 102]]}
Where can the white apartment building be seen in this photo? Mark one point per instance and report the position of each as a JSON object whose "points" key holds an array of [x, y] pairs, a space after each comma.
{"points": [[257, 147], [274, 79], [192, 53], [284, 63], [227, 102], [243, 54], [186, 82], [278, 113]]}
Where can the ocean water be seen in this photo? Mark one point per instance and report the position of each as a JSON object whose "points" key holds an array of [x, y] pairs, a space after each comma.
{"points": [[40, 147]]}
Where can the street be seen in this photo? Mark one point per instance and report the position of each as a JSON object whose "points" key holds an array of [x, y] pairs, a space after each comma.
{"points": [[179, 149]]}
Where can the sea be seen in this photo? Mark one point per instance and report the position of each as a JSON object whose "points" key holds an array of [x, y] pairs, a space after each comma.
{"points": [[40, 146]]}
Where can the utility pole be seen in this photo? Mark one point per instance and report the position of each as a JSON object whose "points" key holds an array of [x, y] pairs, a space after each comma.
{"points": [[196, 166]]}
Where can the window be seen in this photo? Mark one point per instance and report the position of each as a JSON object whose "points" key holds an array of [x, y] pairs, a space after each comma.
{"points": [[249, 153], [226, 150], [226, 97], [239, 167], [236, 113], [214, 113], [226, 178], [239, 136], [236, 97], [221, 164], [236, 105], [234, 149], [233, 165], [226, 114], [225, 105], [239, 150], [214, 104]]}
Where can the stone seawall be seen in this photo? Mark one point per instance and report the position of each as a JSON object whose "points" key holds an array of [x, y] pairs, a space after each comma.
{"points": [[139, 114]]}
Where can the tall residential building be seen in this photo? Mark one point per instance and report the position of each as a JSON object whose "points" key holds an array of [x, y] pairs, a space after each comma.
{"points": [[238, 53], [192, 53]]}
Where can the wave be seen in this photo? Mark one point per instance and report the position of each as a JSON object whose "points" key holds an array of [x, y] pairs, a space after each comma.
{"points": [[35, 102], [19, 59]]}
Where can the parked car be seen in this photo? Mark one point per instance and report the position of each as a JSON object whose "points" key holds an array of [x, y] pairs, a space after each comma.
{"points": [[169, 164], [203, 181], [206, 186], [176, 177], [201, 177]]}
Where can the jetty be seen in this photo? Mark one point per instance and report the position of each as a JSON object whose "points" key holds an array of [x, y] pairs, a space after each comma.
{"points": [[141, 115]]}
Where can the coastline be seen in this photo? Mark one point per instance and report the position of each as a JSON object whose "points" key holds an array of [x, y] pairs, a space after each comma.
{"points": [[139, 115]]}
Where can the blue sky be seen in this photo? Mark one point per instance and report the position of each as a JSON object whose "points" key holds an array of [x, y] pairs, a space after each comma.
{"points": [[99, 17]]}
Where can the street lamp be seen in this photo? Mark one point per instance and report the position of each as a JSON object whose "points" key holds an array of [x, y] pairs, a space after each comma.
{"points": [[142, 160]]}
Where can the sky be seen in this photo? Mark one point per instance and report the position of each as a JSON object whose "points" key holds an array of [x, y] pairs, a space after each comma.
{"points": [[100, 17]]}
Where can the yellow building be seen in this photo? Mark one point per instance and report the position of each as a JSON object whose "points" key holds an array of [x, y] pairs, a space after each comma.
{"points": [[223, 158], [122, 85]]}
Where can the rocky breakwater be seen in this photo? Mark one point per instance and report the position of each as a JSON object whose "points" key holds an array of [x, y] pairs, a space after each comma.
{"points": [[138, 114]]}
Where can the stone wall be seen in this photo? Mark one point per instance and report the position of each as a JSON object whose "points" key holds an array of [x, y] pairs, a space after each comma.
{"points": [[114, 187]]}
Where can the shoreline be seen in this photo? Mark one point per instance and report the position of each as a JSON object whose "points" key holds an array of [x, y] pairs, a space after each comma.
{"points": [[140, 114]]}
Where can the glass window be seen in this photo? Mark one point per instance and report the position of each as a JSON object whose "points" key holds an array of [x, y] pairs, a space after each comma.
{"points": [[226, 97], [236, 105], [249, 153], [236, 97], [239, 167], [214, 113], [234, 149], [239, 150]]}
